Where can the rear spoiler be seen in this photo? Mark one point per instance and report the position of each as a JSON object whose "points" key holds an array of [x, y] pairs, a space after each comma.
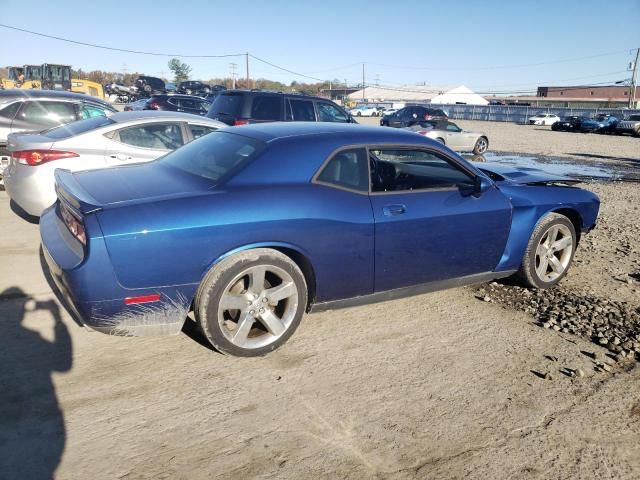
{"points": [[71, 192]]}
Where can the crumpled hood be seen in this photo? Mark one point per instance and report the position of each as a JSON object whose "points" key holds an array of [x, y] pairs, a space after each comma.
{"points": [[525, 175]]}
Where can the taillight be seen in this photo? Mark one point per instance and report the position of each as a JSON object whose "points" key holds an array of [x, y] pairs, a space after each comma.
{"points": [[38, 157], [154, 105], [74, 225], [241, 122]]}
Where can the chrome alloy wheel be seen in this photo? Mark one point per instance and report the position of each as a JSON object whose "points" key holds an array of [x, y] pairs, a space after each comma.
{"points": [[553, 252], [482, 145], [257, 306]]}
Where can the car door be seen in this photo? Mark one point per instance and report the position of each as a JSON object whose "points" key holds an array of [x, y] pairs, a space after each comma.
{"points": [[37, 115], [143, 142], [430, 226], [401, 118], [344, 265]]}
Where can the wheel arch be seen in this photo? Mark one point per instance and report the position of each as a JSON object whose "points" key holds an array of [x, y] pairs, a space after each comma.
{"points": [[575, 218], [297, 254]]}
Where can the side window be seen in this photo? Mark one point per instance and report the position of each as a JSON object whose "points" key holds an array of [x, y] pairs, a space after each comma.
{"points": [[161, 136], [406, 170], [198, 131], [190, 104], [330, 113], [90, 111], [302, 110], [347, 169], [267, 107], [452, 127], [10, 110], [48, 113]]}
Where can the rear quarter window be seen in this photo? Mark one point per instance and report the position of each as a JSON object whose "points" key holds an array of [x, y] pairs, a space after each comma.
{"points": [[227, 104]]}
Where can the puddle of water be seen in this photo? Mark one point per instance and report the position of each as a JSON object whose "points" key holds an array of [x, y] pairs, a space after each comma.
{"points": [[564, 166]]}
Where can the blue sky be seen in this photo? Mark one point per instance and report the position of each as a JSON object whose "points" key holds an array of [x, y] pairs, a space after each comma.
{"points": [[401, 42]]}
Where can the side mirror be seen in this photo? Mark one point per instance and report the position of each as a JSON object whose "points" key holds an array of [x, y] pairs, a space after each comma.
{"points": [[482, 184]]}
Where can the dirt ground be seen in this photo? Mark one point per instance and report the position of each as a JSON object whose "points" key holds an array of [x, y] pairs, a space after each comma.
{"points": [[436, 386]]}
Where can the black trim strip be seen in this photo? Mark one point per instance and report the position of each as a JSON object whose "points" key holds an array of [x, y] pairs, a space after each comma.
{"points": [[410, 291]]}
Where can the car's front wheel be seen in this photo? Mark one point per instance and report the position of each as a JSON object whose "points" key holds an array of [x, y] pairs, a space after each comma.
{"points": [[251, 303], [549, 252]]}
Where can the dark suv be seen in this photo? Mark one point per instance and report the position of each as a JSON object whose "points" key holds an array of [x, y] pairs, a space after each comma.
{"points": [[239, 107], [193, 87], [408, 116], [178, 103], [147, 85]]}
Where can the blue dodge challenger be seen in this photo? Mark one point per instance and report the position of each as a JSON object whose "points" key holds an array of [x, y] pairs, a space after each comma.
{"points": [[250, 227]]}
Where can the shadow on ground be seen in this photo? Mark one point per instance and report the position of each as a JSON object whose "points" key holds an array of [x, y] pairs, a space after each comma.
{"points": [[32, 430]]}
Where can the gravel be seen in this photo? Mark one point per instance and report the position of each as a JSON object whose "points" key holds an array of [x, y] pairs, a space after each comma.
{"points": [[610, 323]]}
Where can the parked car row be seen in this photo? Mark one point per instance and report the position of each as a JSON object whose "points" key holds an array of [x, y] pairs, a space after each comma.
{"points": [[603, 123]]}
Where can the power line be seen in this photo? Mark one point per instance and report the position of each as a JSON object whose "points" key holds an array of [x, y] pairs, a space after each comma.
{"points": [[521, 65], [86, 44], [286, 69]]}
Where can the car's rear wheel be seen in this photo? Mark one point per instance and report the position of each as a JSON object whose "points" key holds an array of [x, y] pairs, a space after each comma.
{"points": [[482, 145], [359, 114], [251, 303], [549, 252]]}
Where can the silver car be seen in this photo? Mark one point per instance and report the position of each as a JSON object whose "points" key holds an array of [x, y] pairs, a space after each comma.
{"points": [[452, 136], [99, 142]]}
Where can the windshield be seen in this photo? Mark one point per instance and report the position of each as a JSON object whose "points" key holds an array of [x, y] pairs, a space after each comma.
{"points": [[214, 156], [226, 104], [76, 128]]}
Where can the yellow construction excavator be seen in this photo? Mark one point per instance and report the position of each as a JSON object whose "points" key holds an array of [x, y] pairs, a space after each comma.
{"points": [[49, 77]]}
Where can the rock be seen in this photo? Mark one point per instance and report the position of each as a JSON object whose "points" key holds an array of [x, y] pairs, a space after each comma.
{"points": [[487, 298], [606, 367], [546, 325], [579, 372], [603, 341], [556, 328]]}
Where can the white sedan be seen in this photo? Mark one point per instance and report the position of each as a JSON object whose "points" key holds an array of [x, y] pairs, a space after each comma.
{"points": [[98, 142], [544, 119], [364, 111]]}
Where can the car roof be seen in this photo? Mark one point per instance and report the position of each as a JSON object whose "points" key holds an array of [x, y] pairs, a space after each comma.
{"points": [[272, 131], [48, 94], [161, 115], [270, 92]]}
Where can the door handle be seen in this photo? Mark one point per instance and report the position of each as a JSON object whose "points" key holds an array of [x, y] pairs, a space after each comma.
{"points": [[392, 210], [120, 156]]}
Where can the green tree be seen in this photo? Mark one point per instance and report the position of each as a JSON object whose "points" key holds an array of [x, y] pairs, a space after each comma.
{"points": [[180, 70]]}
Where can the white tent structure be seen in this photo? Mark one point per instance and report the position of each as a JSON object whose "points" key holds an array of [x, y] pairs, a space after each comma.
{"points": [[419, 93], [459, 94]]}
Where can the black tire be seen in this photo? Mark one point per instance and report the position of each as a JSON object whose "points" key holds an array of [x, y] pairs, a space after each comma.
{"points": [[218, 279], [481, 146], [359, 114], [527, 274]]}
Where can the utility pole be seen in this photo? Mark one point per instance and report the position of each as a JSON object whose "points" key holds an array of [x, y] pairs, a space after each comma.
{"points": [[632, 93], [248, 81], [233, 67], [363, 87], [377, 79]]}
